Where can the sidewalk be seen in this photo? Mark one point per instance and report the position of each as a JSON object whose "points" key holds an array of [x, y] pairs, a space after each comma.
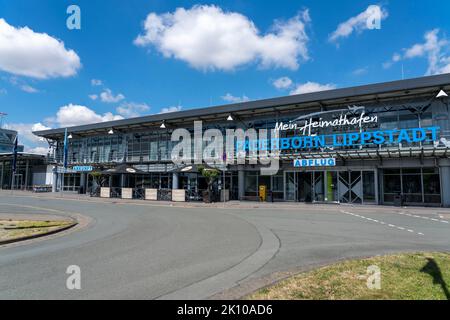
{"points": [[229, 205]]}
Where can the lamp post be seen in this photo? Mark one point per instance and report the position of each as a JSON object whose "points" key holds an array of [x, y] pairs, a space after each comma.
{"points": [[65, 152]]}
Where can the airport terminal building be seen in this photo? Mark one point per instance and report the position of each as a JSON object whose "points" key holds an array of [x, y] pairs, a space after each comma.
{"points": [[372, 144]]}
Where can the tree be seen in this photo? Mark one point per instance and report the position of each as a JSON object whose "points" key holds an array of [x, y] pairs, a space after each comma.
{"points": [[99, 180], [210, 174]]}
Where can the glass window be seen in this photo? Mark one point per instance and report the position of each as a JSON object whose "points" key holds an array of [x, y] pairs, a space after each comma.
{"points": [[392, 184], [408, 121], [431, 184], [388, 122], [369, 186], [277, 183], [251, 181], [412, 183], [154, 149]]}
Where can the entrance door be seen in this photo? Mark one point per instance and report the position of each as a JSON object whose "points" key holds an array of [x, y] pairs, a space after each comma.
{"points": [[305, 183], [319, 186], [357, 186], [291, 186], [332, 186]]}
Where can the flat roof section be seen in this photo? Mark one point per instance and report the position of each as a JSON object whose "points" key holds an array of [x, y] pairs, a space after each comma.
{"points": [[345, 95]]}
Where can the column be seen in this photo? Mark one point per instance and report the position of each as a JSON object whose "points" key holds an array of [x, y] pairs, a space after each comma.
{"points": [[83, 182], [175, 184], [445, 185], [1, 177], [27, 166], [54, 180], [241, 184]]}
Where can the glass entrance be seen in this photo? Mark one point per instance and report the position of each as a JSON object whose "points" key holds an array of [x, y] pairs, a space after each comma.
{"points": [[356, 186]]}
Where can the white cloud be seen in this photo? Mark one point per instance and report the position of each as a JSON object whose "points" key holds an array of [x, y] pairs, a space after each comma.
{"points": [[132, 109], [309, 87], [67, 116], [26, 130], [282, 83], [74, 115], [232, 99], [357, 23], [29, 89], [209, 38], [434, 49], [108, 97], [27, 53], [96, 82], [3, 91], [360, 71], [171, 109], [38, 150], [93, 97], [31, 142]]}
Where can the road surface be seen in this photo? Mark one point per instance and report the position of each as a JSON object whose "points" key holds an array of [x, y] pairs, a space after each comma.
{"points": [[139, 250]]}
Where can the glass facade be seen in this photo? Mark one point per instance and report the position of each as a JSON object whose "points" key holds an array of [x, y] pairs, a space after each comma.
{"points": [[361, 175], [415, 186]]}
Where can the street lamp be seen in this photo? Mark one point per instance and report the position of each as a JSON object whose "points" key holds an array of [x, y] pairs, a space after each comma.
{"points": [[111, 131], [230, 118], [163, 125]]}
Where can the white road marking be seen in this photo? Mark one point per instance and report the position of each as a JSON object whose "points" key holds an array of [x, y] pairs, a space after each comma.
{"points": [[382, 222], [422, 217]]}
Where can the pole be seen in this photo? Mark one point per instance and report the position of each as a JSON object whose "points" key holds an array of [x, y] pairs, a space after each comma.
{"points": [[64, 161], [224, 187], [14, 162]]}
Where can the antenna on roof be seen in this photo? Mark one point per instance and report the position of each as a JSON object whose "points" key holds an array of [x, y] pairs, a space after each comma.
{"points": [[2, 115]]}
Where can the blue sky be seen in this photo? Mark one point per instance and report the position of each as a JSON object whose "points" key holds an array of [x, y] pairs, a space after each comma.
{"points": [[181, 63]]}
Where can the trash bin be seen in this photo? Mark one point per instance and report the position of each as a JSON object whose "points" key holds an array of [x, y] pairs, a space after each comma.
{"points": [[398, 200]]}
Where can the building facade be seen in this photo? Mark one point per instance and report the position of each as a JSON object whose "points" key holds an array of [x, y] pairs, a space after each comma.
{"points": [[7, 138], [374, 144]]}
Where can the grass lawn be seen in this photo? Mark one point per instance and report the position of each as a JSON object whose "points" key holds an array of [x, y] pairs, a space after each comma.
{"points": [[10, 229], [417, 276]]}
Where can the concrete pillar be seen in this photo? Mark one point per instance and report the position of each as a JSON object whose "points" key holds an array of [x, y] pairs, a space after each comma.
{"points": [[1, 177], [122, 180], [54, 181], [445, 185], [175, 184], [83, 181], [27, 167], [241, 184]]}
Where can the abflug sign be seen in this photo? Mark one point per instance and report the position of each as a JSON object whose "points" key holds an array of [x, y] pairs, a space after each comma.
{"points": [[307, 140]]}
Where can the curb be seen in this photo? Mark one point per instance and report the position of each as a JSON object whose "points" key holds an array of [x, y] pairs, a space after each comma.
{"points": [[35, 236]]}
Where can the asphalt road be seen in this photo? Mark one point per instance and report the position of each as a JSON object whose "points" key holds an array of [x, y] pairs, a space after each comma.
{"points": [[146, 251]]}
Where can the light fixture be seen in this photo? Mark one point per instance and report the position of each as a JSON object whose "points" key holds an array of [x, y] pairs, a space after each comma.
{"points": [[69, 136], [163, 125], [111, 131], [442, 94], [230, 118]]}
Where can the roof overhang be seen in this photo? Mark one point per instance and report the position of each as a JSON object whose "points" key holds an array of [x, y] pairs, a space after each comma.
{"points": [[379, 91]]}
